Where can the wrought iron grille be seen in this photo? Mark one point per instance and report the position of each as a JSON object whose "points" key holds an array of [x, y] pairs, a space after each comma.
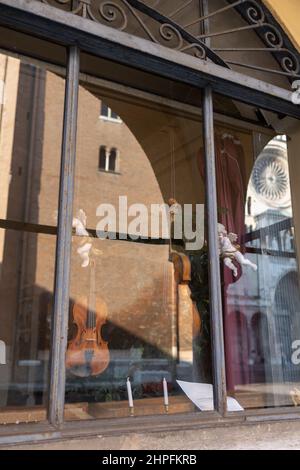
{"points": [[164, 22]]}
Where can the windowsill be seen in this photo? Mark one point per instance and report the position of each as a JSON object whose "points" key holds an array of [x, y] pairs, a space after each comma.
{"points": [[27, 432], [109, 172], [109, 119]]}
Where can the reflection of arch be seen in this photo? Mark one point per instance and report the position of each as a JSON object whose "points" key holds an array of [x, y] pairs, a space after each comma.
{"points": [[169, 142], [260, 350], [238, 346], [287, 322], [287, 291]]}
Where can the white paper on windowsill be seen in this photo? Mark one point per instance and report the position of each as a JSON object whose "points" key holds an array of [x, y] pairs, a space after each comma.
{"points": [[202, 396]]}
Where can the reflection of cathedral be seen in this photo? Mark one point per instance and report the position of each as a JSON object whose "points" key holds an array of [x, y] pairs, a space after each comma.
{"points": [[268, 311]]}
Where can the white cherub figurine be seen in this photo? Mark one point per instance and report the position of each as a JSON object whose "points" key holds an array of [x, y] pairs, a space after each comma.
{"points": [[295, 395], [86, 245], [79, 223], [230, 251]]}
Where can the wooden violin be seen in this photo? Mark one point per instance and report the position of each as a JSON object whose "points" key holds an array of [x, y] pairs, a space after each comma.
{"points": [[88, 354]]}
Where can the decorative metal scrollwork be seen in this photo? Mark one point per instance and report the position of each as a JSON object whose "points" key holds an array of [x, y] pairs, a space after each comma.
{"points": [[144, 19], [254, 12], [274, 39], [169, 32], [198, 50], [112, 13]]}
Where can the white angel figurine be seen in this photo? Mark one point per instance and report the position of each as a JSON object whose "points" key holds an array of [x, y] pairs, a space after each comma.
{"points": [[230, 251], [295, 395], [79, 223]]}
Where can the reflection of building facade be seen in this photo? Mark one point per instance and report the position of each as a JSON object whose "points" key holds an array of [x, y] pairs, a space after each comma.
{"points": [[268, 310]]}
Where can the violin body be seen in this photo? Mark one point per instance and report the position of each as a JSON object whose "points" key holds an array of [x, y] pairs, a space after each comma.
{"points": [[88, 354]]}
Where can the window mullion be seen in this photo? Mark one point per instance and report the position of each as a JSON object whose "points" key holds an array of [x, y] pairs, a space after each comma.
{"points": [[216, 317], [64, 239], [107, 154]]}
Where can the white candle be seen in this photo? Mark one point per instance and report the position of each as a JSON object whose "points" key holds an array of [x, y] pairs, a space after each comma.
{"points": [[166, 396], [129, 391]]}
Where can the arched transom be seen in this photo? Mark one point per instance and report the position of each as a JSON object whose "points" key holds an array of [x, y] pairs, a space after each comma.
{"points": [[238, 34]]}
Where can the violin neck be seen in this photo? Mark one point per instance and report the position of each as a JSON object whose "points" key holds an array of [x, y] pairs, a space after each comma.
{"points": [[91, 310]]}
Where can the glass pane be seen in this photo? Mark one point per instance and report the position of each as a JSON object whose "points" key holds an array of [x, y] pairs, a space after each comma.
{"points": [[104, 110], [112, 160], [139, 304], [102, 158], [257, 181], [114, 115], [31, 113]]}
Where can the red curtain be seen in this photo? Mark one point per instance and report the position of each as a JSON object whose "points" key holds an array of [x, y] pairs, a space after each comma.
{"points": [[231, 189]]}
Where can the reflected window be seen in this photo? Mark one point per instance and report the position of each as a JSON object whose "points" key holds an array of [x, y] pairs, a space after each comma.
{"points": [[108, 114], [108, 159], [103, 158], [112, 159]]}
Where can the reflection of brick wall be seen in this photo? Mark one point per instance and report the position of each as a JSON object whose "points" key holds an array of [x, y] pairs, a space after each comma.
{"points": [[136, 179], [131, 278], [136, 283], [134, 280]]}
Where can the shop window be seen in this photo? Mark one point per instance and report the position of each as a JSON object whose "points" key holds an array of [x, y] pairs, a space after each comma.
{"points": [[139, 301]]}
